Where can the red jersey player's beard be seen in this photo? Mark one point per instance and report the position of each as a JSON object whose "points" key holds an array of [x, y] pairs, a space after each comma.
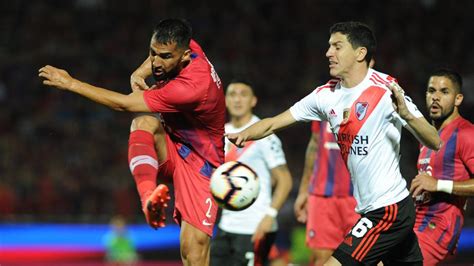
{"points": [[165, 76], [441, 116]]}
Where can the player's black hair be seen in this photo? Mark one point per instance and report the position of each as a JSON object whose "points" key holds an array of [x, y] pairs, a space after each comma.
{"points": [[359, 35], [243, 80], [454, 76], [173, 30]]}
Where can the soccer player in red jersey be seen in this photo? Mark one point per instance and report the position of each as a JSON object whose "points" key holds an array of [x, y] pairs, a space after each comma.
{"points": [[325, 202], [444, 177], [185, 146]]}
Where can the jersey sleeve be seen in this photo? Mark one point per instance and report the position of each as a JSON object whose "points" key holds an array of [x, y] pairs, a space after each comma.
{"points": [[308, 108], [466, 149], [411, 107], [273, 152]]}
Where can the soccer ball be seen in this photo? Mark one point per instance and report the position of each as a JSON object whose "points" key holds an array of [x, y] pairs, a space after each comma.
{"points": [[234, 186]]}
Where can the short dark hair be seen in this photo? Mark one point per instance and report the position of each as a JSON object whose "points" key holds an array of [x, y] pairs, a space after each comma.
{"points": [[243, 80], [173, 30], [359, 35], [454, 76]]}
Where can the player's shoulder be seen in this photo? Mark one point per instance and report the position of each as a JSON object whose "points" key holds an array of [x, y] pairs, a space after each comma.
{"points": [[328, 86], [380, 79], [465, 128]]}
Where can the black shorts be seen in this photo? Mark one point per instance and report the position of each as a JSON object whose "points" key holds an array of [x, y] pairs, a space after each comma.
{"points": [[237, 249], [385, 234]]}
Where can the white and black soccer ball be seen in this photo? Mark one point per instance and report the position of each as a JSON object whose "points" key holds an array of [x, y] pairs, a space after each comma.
{"points": [[235, 186]]}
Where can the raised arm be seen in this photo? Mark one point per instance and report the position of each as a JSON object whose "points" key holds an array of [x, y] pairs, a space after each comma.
{"points": [[262, 128], [303, 194], [419, 127], [60, 79], [137, 79]]}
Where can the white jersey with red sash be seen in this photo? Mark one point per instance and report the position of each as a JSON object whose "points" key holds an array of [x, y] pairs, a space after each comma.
{"points": [[262, 155], [368, 131]]}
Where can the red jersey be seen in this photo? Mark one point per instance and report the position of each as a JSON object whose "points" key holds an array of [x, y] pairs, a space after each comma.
{"points": [[192, 106], [330, 175], [454, 161]]}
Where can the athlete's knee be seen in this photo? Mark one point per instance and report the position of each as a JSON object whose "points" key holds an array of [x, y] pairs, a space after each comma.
{"points": [[147, 123], [195, 249]]}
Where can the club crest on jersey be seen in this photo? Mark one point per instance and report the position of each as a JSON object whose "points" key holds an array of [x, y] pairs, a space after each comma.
{"points": [[361, 109]]}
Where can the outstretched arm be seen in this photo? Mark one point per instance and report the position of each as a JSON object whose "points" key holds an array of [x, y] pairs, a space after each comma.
{"points": [[60, 79], [301, 201], [419, 127], [262, 128]]}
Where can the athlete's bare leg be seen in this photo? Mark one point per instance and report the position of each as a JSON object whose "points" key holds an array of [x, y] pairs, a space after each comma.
{"points": [[332, 262], [321, 255], [195, 245]]}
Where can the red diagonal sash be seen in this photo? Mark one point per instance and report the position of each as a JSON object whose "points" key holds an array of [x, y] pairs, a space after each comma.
{"points": [[371, 97], [234, 153]]}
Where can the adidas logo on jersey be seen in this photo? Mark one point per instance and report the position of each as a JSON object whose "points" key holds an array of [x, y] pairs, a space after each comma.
{"points": [[348, 241], [332, 113]]}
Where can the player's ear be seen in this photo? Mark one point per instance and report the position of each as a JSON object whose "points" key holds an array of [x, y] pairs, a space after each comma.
{"points": [[186, 55], [254, 101], [458, 99], [361, 53]]}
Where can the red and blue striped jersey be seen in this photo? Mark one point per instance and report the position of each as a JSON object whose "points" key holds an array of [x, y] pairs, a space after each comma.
{"points": [[454, 161], [192, 106], [330, 176]]}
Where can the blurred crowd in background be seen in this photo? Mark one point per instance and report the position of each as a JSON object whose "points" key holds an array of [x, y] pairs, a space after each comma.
{"points": [[64, 159]]}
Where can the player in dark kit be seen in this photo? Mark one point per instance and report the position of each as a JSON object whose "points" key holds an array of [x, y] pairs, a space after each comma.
{"points": [[446, 176], [185, 146]]}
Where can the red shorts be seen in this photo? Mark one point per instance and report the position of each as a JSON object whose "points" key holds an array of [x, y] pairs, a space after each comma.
{"points": [[191, 175], [438, 237], [329, 221]]}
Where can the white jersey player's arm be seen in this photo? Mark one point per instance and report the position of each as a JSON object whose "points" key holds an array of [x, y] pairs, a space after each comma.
{"points": [[262, 128], [283, 183], [301, 201], [424, 132], [281, 177], [416, 124]]}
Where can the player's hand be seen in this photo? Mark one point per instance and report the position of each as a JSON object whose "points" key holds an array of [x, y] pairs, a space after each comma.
{"points": [[423, 182], [301, 207], [56, 77], [398, 100], [138, 83], [263, 227], [237, 138]]}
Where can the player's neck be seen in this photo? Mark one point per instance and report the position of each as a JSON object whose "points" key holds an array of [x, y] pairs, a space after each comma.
{"points": [[240, 121], [442, 124], [354, 77]]}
